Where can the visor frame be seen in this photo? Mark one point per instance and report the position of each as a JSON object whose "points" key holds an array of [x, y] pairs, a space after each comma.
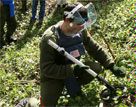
{"points": [[78, 19], [87, 21]]}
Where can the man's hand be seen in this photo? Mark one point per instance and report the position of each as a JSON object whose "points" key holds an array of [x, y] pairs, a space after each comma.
{"points": [[79, 70], [117, 71]]}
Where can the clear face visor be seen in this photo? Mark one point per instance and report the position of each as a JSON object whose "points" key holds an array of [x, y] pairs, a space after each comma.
{"points": [[91, 14], [85, 19]]}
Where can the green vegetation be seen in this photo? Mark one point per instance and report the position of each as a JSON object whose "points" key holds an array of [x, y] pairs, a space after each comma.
{"points": [[19, 62]]}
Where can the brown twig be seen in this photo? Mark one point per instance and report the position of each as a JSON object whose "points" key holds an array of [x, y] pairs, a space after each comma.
{"points": [[26, 81]]}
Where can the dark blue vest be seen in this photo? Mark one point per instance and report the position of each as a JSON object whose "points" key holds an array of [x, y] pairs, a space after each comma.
{"points": [[72, 44]]}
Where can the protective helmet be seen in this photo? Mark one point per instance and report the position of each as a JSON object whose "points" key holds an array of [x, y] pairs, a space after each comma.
{"points": [[83, 15]]}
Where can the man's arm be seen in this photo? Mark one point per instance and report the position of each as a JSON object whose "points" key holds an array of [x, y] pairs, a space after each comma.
{"points": [[48, 66], [96, 51]]}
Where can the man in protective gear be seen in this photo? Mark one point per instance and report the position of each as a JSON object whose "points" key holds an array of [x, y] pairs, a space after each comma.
{"points": [[56, 71]]}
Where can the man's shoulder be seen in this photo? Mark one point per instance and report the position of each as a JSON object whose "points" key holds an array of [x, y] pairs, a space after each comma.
{"points": [[49, 33]]}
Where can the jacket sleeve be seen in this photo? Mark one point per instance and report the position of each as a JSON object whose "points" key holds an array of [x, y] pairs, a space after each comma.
{"points": [[96, 51], [48, 66]]}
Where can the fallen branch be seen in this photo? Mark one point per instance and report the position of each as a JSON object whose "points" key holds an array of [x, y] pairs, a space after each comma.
{"points": [[26, 81]]}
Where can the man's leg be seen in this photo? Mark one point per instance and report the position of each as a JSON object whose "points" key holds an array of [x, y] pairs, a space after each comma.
{"points": [[41, 13], [51, 90], [34, 9], [11, 27], [24, 7], [42, 10], [2, 23]]}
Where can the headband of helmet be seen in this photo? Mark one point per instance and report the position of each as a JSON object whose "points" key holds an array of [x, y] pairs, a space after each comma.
{"points": [[76, 13], [71, 13]]}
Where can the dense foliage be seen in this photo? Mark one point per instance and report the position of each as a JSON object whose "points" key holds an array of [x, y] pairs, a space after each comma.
{"points": [[19, 62]]}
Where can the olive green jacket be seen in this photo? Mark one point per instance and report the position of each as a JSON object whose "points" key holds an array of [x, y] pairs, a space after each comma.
{"points": [[49, 56]]}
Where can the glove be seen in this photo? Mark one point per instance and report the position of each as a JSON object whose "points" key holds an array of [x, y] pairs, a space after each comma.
{"points": [[79, 70], [117, 71]]}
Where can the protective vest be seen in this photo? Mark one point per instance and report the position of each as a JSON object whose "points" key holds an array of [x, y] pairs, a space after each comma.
{"points": [[11, 6], [72, 44]]}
